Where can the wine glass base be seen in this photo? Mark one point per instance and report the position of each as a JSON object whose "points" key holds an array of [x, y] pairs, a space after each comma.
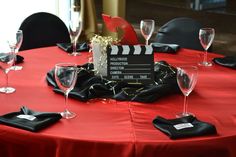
{"points": [[206, 64], [16, 68], [75, 54], [68, 114], [179, 115], [7, 90]]}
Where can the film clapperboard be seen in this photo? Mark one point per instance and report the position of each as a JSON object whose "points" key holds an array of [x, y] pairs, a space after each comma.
{"points": [[133, 64]]}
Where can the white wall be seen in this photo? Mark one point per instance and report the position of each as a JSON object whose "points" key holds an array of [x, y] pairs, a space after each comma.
{"points": [[13, 12]]}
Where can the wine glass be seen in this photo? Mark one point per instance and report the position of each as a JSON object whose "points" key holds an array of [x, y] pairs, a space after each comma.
{"points": [[75, 27], [186, 79], [206, 37], [66, 76], [147, 27], [15, 44], [6, 62]]}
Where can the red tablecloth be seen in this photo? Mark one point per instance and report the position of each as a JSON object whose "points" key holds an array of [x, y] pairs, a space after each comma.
{"points": [[108, 128]]}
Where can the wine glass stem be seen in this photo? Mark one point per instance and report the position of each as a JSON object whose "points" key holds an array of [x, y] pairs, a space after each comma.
{"points": [[205, 57], [13, 49], [185, 104], [6, 72], [66, 99], [147, 42], [6, 80], [74, 45]]}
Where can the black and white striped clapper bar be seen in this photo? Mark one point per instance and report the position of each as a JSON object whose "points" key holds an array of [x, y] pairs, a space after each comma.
{"points": [[133, 64]]}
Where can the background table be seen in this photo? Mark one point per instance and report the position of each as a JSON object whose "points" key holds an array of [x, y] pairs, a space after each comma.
{"points": [[116, 128]]}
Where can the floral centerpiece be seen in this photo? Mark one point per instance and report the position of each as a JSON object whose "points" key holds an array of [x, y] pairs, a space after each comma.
{"points": [[99, 49]]}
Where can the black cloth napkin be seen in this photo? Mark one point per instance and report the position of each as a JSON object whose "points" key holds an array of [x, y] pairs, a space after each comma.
{"points": [[166, 48], [89, 86], [30, 120], [228, 61], [19, 59], [183, 127], [5, 58], [80, 47]]}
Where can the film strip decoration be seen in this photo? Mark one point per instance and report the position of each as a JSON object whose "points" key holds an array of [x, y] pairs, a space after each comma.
{"points": [[130, 63]]}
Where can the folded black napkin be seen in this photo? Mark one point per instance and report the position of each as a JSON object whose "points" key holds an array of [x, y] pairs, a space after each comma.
{"points": [[228, 61], [5, 58], [89, 86], [30, 120], [19, 59], [167, 48], [80, 47], [183, 127]]}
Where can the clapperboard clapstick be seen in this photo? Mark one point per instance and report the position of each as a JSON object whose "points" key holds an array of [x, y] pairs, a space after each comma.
{"points": [[134, 64]]}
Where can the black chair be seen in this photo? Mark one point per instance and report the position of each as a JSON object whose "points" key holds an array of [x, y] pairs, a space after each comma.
{"points": [[43, 29], [182, 31]]}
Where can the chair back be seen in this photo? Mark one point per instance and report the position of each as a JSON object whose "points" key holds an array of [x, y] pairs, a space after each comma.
{"points": [[182, 31], [114, 23], [43, 29]]}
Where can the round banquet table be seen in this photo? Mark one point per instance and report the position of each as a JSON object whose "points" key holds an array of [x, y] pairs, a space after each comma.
{"points": [[105, 127]]}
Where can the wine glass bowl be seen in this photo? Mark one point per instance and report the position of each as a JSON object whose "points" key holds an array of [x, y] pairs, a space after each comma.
{"points": [[206, 37], [186, 79], [147, 27], [65, 76], [7, 58]]}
